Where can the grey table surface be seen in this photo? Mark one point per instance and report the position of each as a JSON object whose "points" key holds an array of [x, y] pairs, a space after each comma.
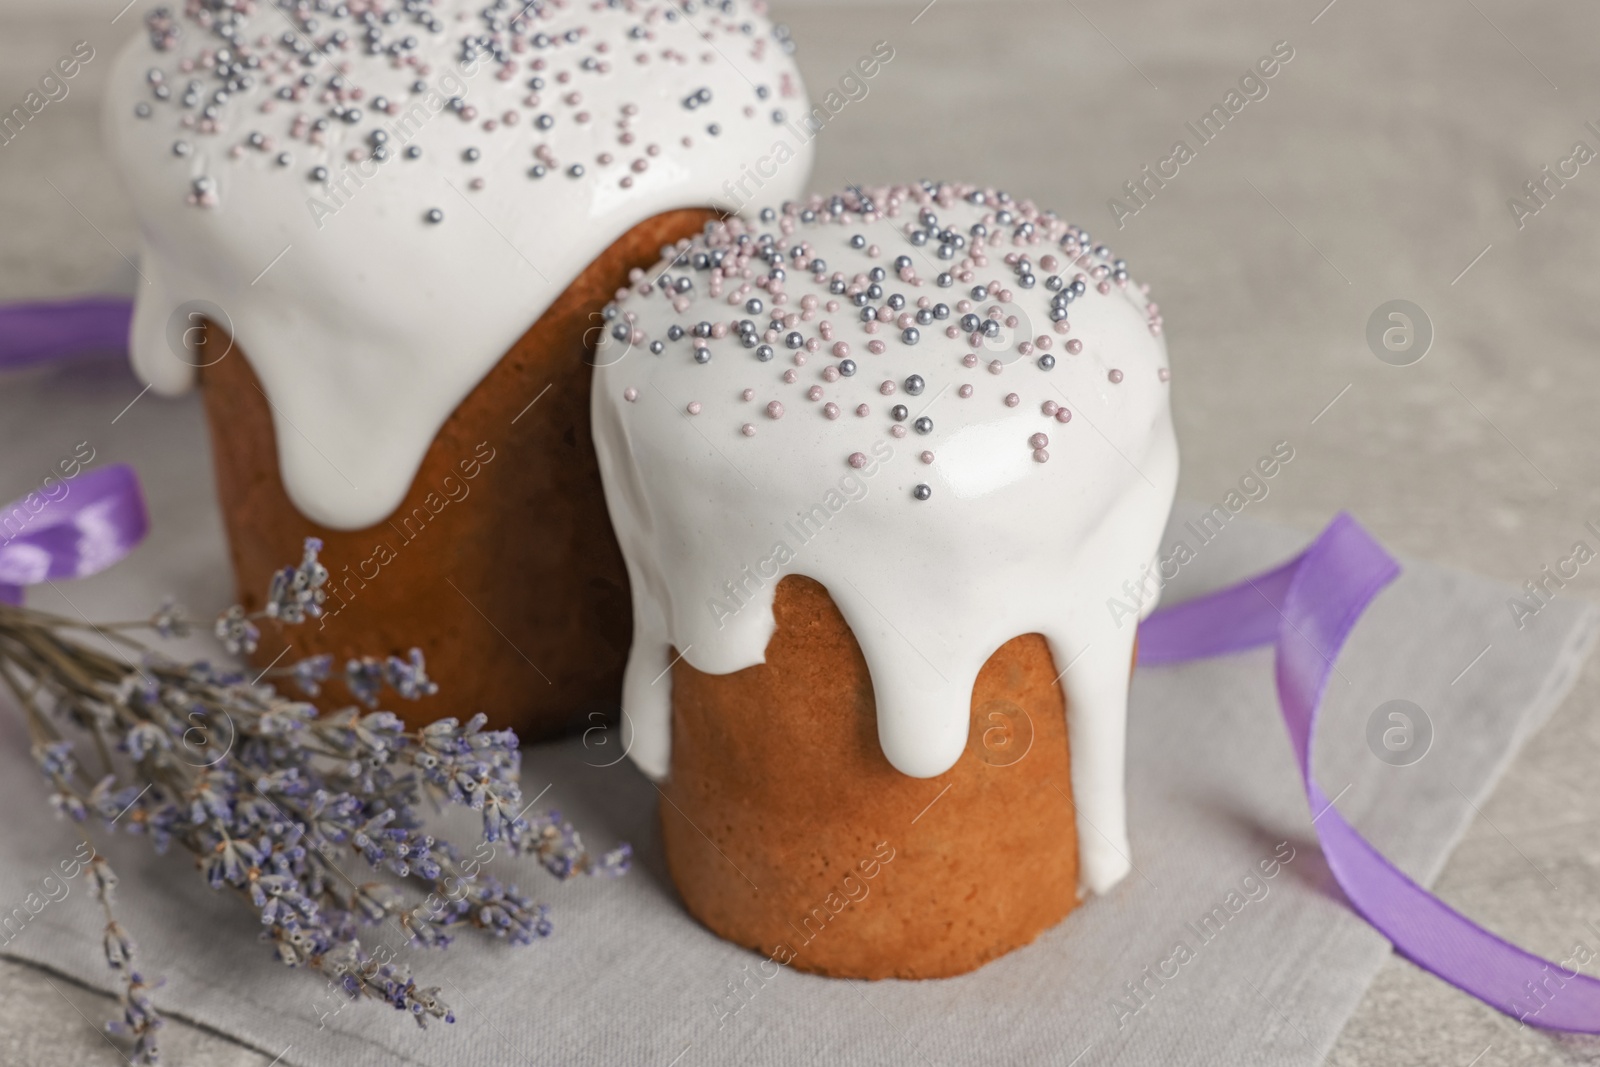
{"points": [[1378, 167]]}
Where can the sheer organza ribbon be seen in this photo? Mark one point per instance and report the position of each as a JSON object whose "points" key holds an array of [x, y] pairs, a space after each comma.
{"points": [[1305, 610]]}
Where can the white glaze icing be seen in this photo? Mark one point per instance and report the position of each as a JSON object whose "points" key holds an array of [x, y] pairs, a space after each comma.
{"points": [[1005, 544], [366, 324]]}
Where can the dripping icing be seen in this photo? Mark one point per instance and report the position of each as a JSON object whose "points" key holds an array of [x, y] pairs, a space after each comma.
{"points": [[1004, 543], [366, 321]]}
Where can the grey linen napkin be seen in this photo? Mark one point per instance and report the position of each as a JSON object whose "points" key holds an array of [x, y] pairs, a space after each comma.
{"points": [[1273, 968]]}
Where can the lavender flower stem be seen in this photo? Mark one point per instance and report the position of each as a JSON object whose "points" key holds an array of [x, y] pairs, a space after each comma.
{"points": [[270, 798]]}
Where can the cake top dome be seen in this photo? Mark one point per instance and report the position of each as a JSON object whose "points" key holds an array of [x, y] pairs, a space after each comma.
{"points": [[946, 405], [377, 197]]}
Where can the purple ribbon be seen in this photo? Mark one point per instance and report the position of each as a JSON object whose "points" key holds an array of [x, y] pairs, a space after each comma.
{"points": [[1306, 609], [41, 333], [72, 529]]}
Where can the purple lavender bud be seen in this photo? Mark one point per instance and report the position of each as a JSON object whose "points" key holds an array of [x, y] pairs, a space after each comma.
{"points": [[102, 880], [409, 677], [236, 632], [170, 620], [309, 673], [68, 806], [55, 759], [364, 678]]}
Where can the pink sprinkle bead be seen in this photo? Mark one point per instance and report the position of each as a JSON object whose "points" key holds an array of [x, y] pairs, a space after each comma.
{"points": [[814, 393], [965, 392], [748, 430], [1038, 440], [630, 394], [858, 460], [862, 411], [1012, 400], [1063, 415], [1115, 376], [694, 407], [831, 410], [775, 410], [1049, 407], [1040, 455]]}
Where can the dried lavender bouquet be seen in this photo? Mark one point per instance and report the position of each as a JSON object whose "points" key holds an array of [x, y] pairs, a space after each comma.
{"points": [[314, 822]]}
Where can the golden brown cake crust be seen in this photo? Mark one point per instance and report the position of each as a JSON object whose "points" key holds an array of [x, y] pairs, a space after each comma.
{"points": [[787, 831], [500, 563]]}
